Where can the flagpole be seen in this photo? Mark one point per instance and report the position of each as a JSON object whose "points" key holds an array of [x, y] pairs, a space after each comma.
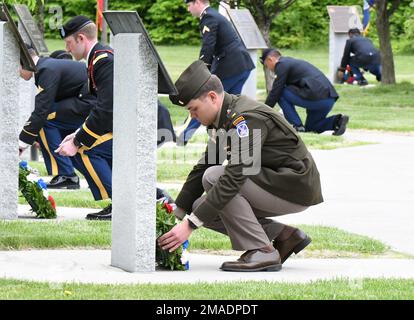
{"points": [[104, 35]]}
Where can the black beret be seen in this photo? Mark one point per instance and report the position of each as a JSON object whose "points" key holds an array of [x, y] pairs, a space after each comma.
{"points": [[61, 54], [187, 1], [190, 82], [74, 25]]}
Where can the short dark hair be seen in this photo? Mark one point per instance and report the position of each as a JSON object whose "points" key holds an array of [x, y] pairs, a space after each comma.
{"points": [[212, 84], [354, 31], [61, 54], [273, 52]]}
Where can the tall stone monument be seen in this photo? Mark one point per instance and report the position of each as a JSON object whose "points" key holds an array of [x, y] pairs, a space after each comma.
{"points": [[31, 34], [27, 93], [342, 18], [134, 154], [252, 38], [138, 76], [9, 115]]}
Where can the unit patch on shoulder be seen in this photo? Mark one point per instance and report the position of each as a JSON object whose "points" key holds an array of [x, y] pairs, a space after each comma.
{"points": [[206, 29], [242, 129]]}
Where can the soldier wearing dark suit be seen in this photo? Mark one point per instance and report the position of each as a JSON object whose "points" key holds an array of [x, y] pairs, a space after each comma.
{"points": [[359, 53], [298, 83], [61, 105], [269, 173], [222, 50]]}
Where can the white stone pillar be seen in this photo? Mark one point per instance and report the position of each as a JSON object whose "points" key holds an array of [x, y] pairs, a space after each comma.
{"points": [[250, 86], [9, 122], [222, 9], [336, 50], [27, 94], [134, 154]]}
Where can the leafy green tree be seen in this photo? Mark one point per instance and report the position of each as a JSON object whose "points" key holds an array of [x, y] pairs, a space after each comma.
{"points": [[385, 9], [172, 24], [37, 7], [265, 11]]}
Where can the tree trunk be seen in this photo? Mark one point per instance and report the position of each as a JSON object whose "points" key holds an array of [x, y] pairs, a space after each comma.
{"points": [[40, 15], [269, 74], [264, 12], [387, 57]]}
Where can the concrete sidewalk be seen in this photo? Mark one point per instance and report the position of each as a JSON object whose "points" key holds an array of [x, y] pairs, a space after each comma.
{"points": [[63, 213], [368, 189], [93, 266]]}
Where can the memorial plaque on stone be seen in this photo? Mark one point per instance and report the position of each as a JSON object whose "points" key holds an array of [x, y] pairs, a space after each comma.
{"points": [[25, 57], [130, 22], [247, 28], [32, 30], [344, 18]]}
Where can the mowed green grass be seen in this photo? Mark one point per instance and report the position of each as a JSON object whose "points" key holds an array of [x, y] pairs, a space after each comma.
{"points": [[389, 108], [21, 235], [341, 289]]}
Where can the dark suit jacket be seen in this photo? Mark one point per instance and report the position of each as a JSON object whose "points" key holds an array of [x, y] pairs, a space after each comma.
{"points": [[302, 78], [63, 82], [222, 48], [364, 52]]}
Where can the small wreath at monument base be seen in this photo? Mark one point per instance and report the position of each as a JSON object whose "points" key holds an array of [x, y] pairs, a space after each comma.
{"points": [[35, 193], [177, 260]]}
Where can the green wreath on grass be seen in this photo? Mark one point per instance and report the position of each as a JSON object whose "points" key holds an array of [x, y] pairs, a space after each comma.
{"points": [[177, 260], [43, 205], [36, 194]]}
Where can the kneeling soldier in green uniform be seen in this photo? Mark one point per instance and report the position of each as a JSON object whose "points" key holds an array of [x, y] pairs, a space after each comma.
{"points": [[269, 173]]}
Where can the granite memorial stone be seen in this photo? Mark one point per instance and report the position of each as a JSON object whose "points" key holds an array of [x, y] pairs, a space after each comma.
{"points": [[342, 18], [9, 124], [252, 38], [136, 83]]}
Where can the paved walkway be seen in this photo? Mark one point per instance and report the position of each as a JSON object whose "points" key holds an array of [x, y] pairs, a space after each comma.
{"points": [[93, 266], [368, 190]]}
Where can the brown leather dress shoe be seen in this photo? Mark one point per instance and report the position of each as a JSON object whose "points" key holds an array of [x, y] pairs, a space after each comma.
{"points": [[254, 260], [290, 240]]}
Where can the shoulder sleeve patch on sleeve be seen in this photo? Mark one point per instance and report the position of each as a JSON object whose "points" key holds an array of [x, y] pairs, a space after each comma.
{"points": [[242, 129]]}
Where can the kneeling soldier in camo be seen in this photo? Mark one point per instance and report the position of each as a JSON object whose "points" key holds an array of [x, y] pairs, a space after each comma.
{"points": [[269, 173]]}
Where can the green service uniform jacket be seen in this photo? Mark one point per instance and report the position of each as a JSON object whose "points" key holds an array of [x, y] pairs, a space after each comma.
{"points": [[286, 168]]}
